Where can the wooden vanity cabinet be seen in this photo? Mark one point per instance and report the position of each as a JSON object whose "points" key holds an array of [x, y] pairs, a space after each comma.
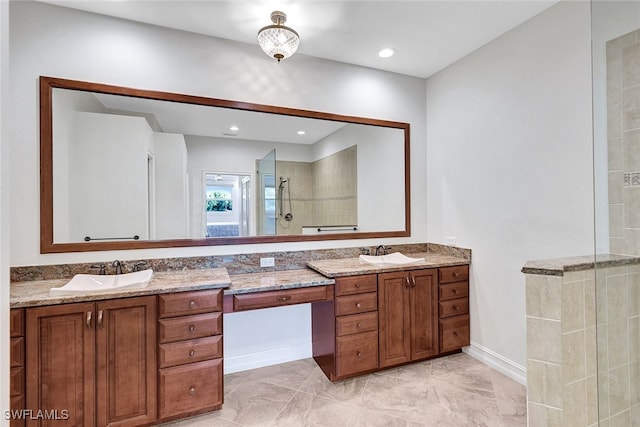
{"points": [[16, 356], [190, 376], [92, 362], [408, 311], [453, 292], [345, 330]]}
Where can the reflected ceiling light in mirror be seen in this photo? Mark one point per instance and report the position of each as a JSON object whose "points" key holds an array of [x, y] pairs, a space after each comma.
{"points": [[301, 132], [386, 52], [234, 128], [277, 40]]}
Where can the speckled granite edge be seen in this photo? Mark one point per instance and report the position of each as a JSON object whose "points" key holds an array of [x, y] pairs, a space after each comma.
{"points": [[353, 266], [560, 266], [36, 293], [235, 264], [276, 281], [454, 251]]}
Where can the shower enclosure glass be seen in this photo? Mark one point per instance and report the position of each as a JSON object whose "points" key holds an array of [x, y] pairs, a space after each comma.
{"points": [[616, 130]]}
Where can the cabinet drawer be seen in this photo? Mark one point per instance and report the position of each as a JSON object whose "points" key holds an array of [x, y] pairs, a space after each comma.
{"points": [[356, 353], [356, 284], [356, 323], [186, 303], [17, 402], [454, 333], [189, 388], [182, 352], [453, 274], [16, 352], [190, 327], [16, 322], [354, 304], [454, 307], [454, 290], [279, 298], [16, 384]]}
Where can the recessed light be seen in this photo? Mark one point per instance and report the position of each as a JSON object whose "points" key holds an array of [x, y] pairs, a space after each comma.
{"points": [[386, 52], [234, 128], [301, 132]]}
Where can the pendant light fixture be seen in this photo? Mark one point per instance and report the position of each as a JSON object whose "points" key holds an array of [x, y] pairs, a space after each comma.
{"points": [[277, 40]]}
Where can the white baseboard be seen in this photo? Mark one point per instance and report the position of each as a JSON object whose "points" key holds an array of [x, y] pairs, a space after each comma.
{"points": [[266, 358], [499, 363]]}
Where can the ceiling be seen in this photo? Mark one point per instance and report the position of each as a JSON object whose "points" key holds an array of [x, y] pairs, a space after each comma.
{"points": [[426, 35]]}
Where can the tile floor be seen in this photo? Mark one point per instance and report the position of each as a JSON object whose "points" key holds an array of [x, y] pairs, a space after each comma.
{"points": [[455, 390]]}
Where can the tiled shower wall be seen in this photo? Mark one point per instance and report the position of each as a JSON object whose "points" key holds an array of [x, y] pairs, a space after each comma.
{"points": [[323, 193], [623, 135], [571, 319]]}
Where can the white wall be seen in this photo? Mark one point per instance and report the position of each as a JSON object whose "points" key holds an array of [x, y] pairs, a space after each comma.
{"points": [[4, 207], [509, 163], [49, 40], [53, 41]]}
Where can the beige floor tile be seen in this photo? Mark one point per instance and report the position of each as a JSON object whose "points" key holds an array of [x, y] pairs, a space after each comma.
{"points": [[452, 391]]}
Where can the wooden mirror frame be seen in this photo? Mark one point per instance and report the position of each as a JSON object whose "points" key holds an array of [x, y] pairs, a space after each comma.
{"points": [[47, 245]]}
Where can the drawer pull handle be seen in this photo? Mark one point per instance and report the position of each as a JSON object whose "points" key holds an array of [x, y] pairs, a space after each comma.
{"points": [[406, 279], [89, 315], [192, 391], [359, 354], [413, 282], [192, 328], [358, 305], [284, 298], [192, 353], [100, 314], [192, 304]]}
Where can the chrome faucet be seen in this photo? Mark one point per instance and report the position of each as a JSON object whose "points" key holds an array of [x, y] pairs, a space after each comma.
{"points": [[382, 250], [118, 265], [102, 268]]}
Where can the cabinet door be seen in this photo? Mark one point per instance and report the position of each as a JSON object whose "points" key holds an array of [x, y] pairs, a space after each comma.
{"points": [[424, 314], [126, 358], [394, 317], [60, 368]]}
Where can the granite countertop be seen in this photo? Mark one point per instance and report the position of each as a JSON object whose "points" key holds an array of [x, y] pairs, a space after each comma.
{"points": [[36, 293], [353, 266], [275, 281], [558, 266]]}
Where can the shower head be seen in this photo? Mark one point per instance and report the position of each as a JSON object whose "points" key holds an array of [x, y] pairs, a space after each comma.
{"points": [[282, 182]]}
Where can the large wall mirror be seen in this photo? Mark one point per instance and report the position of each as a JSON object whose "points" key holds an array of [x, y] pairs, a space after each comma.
{"points": [[125, 168]]}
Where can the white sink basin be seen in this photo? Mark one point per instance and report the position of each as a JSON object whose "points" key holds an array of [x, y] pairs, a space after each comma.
{"points": [[395, 258], [96, 284]]}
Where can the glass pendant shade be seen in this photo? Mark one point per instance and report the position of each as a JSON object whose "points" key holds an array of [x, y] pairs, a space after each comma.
{"points": [[277, 40]]}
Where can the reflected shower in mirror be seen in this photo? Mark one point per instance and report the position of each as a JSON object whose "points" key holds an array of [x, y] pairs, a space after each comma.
{"points": [[180, 170]]}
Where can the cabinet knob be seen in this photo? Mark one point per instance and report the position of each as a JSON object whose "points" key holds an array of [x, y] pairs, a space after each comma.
{"points": [[192, 353], [192, 391], [192, 328], [455, 333], [358, 325], [192, 304], [359, 354], [358, 285], [455, 307], [455, 291], [284, 298], [455, 274], [358, 305]]}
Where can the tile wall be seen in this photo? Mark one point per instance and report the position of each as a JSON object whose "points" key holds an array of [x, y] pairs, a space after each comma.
{"points": [[324, 192], [623, 136], [583, 362]]}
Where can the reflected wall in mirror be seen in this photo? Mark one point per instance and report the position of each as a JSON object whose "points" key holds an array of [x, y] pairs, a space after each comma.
{"points": [[126, 168]]}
